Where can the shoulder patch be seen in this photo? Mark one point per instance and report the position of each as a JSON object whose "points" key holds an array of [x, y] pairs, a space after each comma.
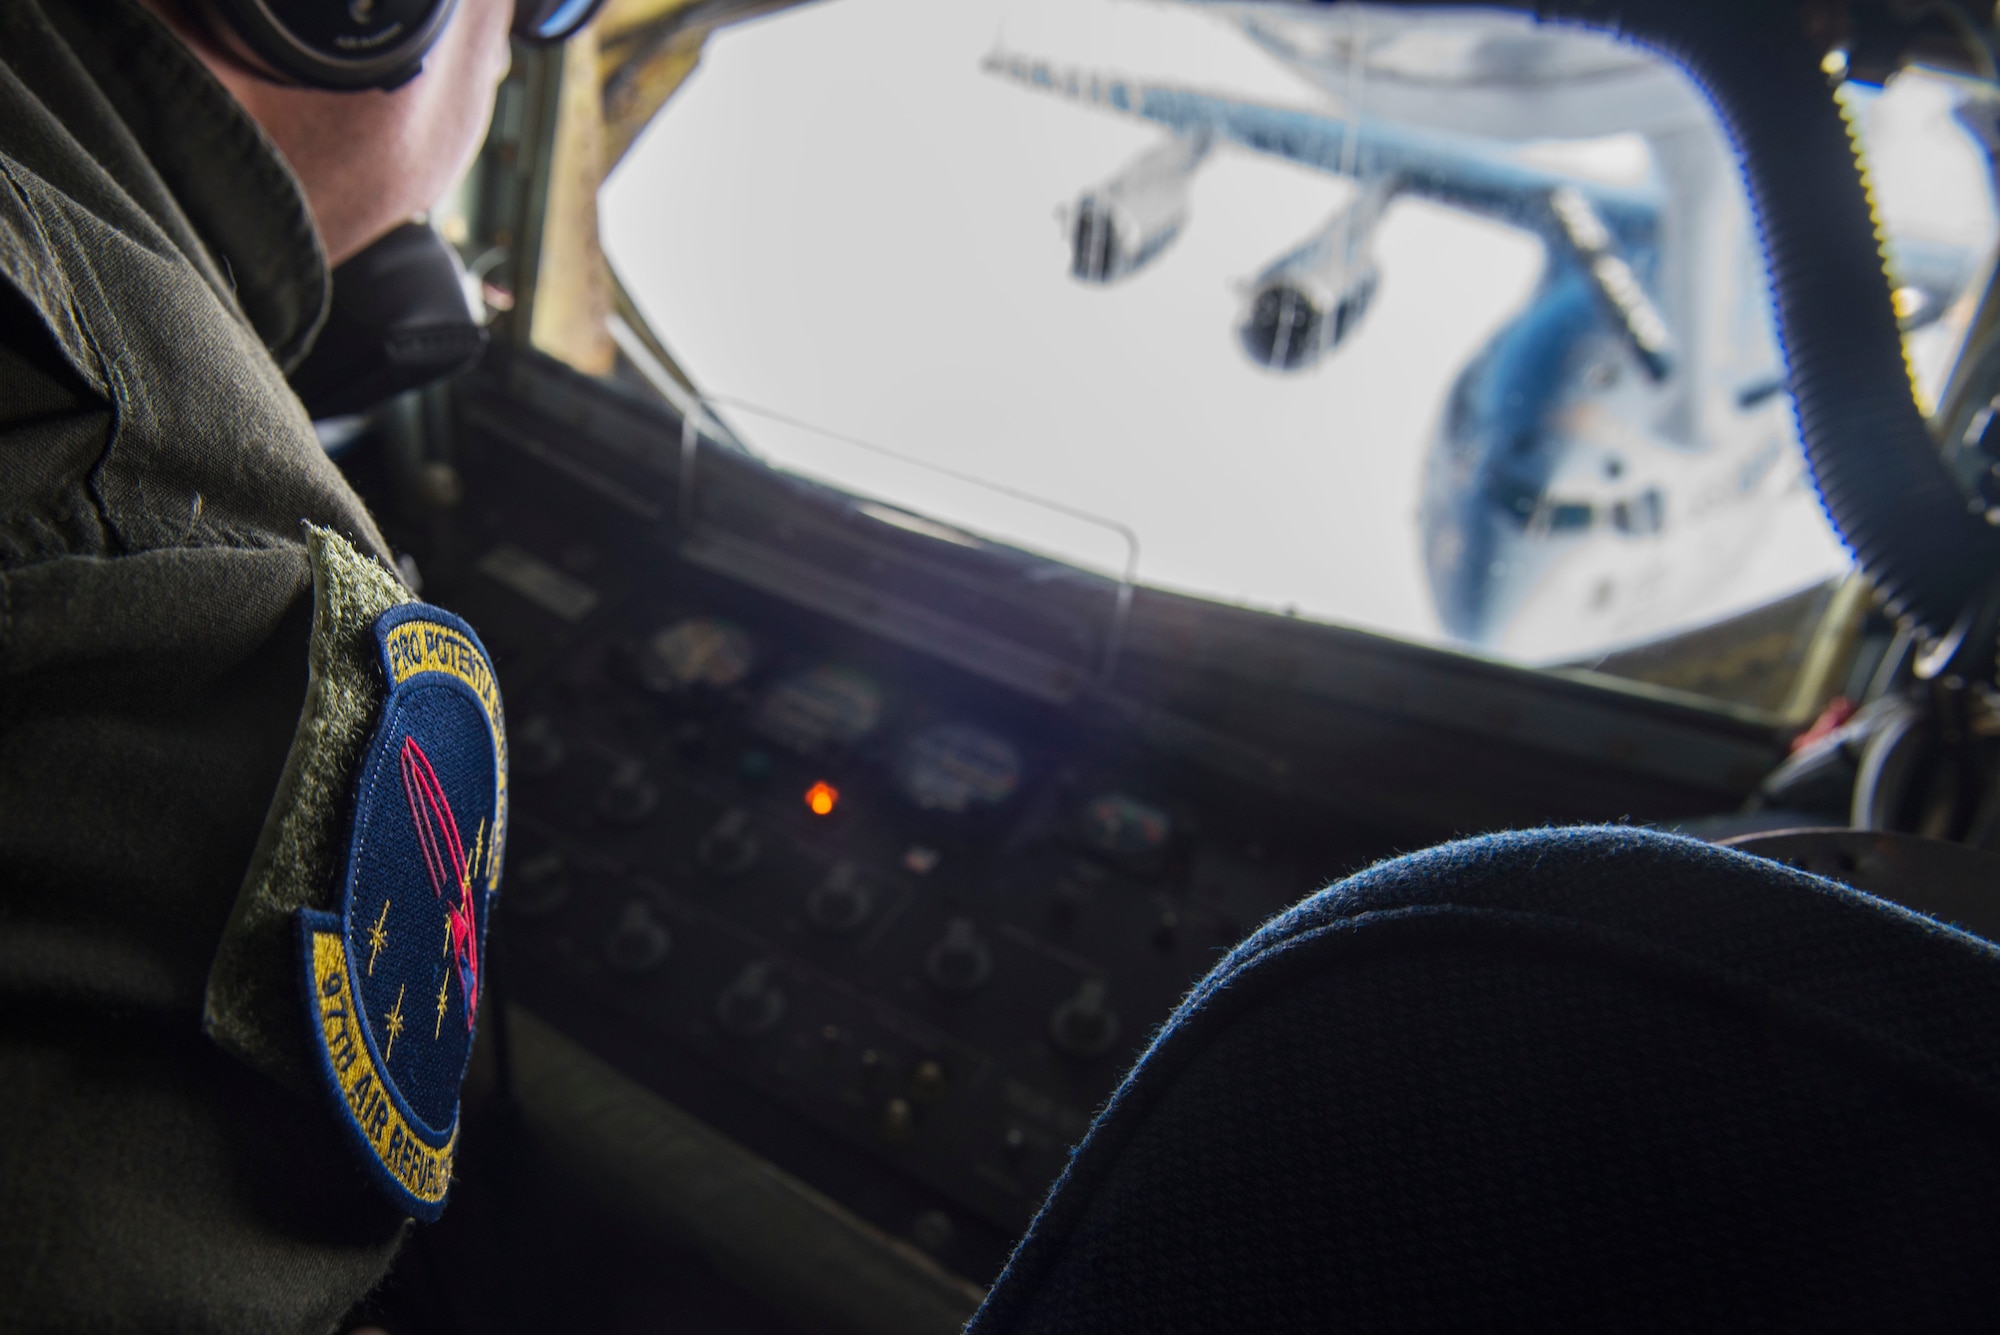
{"points": [[392, 975]]}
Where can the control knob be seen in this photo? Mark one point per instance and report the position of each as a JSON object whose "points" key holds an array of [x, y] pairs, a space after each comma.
{"points": [[929, 1081], [960, 961], [539, 886], [933, 1231], [628, 798], [638, 942], [1066, 904], [536, 750], [1084, 1026], [690, 740], [898, 1120], [729, 848], [751, 1005], [842, 902]]}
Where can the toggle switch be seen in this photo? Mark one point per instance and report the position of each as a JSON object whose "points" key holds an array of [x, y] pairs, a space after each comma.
{"points": [[538, 886], [730, 847], [629, 797], [537, 750], [898, 1120], [842, 902], [928, 1080], [638, 942], [960, 961], [751, 1005], [1084, 1026]]}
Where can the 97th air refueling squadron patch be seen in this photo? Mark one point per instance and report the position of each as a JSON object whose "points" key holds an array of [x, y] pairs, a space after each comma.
{"points": [[392, 977]]}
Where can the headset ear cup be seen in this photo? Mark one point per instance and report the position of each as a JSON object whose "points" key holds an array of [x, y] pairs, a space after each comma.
{"points": [[337, 45]]}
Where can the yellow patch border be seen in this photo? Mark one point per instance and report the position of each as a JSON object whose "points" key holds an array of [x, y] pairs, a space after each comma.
{"points": [[421, 1169]]}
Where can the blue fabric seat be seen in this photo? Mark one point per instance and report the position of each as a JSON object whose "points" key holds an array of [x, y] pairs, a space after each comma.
{"points": [[1584, 1079]]}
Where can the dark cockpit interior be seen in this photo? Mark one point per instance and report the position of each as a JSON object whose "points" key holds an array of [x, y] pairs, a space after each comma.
{"points": [[934, 636]]}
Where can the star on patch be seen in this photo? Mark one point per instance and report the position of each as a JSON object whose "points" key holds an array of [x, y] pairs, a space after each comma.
{"points": [[428, 823]]}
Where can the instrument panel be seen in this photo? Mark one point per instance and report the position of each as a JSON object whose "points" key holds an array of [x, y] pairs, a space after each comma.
{"points": [[930, 919], [828, 838]]}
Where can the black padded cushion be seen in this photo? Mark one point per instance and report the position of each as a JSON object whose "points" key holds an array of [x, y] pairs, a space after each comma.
{"points": [[1587, 1079]]}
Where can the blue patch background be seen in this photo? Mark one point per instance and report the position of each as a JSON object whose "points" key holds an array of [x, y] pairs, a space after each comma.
{"points": [[427, 1060]]}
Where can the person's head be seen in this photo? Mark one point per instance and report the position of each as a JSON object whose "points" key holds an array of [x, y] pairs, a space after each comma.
{"points": [[369, 160]]}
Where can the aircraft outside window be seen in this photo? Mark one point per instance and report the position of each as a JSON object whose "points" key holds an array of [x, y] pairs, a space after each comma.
{"points": [[1445, 325]]}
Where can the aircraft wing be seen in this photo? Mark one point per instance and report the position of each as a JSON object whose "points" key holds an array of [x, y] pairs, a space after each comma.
{"points": [[1458, 170]]}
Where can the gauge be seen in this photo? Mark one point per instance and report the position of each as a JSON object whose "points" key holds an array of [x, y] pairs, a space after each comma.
{"points": [[700, 651], [829, 705], [1124, 827], [956, 768]]}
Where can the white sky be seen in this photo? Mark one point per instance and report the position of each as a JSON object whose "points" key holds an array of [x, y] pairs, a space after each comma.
{"points": [[843, 219]]}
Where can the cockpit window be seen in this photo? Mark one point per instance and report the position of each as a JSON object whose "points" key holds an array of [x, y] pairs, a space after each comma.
{"points": [[1443, 324]]}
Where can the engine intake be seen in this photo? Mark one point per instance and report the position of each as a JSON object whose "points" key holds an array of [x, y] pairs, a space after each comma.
{"points": [[1118, 227], [1306, 303]]}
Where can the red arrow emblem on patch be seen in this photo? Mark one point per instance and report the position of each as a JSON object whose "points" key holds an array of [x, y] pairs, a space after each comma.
{"points": [[444, 859]]}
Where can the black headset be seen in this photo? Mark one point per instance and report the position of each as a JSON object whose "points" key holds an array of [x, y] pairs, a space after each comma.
{"points": [[349, 45]]}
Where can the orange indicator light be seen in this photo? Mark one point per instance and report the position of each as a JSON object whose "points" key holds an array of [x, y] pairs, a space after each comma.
{"points": [[821, 798]]}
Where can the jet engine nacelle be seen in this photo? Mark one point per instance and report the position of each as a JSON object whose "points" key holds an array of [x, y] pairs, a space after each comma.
{"points": [[1117, 227], [1306, 303]]}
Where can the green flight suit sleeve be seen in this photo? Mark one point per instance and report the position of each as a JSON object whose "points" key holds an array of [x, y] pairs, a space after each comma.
{"points": [[148, 1180], [156, 612]]}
